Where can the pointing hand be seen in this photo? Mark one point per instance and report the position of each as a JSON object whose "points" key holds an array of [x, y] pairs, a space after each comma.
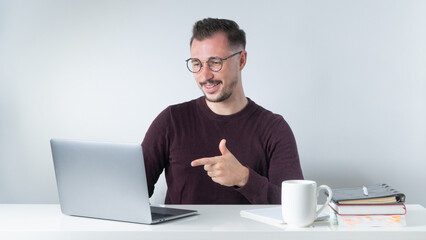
{"points": [[225, 169]]}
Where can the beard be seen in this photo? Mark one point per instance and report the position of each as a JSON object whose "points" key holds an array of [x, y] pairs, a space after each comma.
{"points": [[223, 95]]}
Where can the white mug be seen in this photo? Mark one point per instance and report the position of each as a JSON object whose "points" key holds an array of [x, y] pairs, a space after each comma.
{"points": [[299, 202]]}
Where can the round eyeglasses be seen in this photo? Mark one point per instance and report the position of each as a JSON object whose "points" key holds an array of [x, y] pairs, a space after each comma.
{"points": [[215, 64]]}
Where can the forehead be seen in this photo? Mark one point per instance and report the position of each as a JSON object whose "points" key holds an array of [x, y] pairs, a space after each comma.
{"points": [[216, 45]]}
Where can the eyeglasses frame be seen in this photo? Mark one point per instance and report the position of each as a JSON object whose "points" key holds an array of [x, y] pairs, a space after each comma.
{"points": [[210, 58]]}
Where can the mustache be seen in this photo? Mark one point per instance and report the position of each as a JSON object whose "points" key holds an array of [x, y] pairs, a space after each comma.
{"points": [[210, 81]]}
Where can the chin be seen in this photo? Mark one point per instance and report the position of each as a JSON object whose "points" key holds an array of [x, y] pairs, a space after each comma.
{"points": [[221, 98]]}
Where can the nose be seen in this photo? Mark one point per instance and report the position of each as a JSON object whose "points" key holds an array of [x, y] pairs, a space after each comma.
{"points": [[205, 74]]}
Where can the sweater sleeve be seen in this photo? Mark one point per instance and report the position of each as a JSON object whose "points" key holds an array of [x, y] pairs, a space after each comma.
{"points": [[284, 164], [155, 147]]}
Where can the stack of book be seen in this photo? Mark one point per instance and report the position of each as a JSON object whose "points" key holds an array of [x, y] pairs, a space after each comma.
{"points": [[373, 205]]}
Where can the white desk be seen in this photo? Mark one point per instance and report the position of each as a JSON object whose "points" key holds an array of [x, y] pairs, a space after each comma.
{"points": [[218, 222]]}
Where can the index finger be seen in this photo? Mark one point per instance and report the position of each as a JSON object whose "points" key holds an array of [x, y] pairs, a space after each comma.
{"points": [[204, 161]]}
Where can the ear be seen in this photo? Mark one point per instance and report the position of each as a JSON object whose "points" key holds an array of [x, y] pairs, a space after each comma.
{"points": [[243, 59]]}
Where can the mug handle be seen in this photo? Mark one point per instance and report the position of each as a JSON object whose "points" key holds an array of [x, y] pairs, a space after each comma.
{"points": [[330, 195]]}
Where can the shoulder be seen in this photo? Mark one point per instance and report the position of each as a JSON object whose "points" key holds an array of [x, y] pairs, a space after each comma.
{"points": [[185, 106], [271, 127], [181, 111], [176, 112], [269, 118]]}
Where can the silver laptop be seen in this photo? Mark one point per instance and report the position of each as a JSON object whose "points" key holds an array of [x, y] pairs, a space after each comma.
{"points": [[106, 181]]}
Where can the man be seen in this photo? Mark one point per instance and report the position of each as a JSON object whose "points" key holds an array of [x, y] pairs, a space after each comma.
{"points": [[221, 148]]}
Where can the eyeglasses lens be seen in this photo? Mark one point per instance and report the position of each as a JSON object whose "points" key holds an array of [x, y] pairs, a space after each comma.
{"points": [[215, 64], [194, 65]]}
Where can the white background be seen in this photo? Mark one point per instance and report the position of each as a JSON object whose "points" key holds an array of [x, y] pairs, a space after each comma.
{"points": [[348, 76]]}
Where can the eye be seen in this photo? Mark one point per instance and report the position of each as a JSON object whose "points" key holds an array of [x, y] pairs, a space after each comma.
{"points": [[195, 63], [215, 62]]}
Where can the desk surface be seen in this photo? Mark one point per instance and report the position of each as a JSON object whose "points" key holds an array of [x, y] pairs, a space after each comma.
{"points": [[45, 221]]}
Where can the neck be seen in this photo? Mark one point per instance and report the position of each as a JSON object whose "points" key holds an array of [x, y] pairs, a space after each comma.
{"points": [[232, 105]]}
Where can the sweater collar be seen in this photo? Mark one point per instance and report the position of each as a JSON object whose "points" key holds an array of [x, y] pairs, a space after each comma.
{"points": [[202, 105]]}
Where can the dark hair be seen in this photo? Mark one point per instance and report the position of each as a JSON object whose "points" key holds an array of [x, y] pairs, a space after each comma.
{"points": [[209, 26]]}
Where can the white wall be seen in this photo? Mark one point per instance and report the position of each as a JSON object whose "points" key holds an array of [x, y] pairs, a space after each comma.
{"points": [[348, 76]]}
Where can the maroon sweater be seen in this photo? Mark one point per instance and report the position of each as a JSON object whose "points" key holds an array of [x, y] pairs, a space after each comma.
{"points": [[258, 138]]}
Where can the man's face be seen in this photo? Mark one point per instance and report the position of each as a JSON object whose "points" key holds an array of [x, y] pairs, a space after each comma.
{"points": [[216, 86]]}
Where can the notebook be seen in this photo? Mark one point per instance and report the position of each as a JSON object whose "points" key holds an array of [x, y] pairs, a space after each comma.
{"points": [[371, 194], [106, 181], [273, 215]]}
